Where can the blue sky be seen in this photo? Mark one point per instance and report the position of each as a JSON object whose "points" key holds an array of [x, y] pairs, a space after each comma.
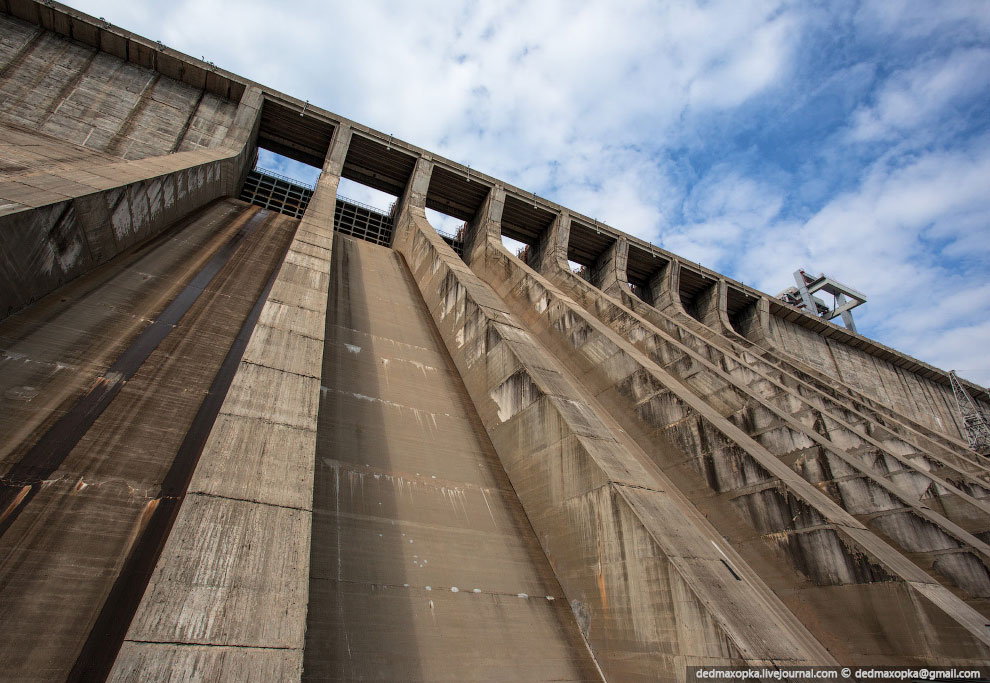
{"points": [[755, 137]]}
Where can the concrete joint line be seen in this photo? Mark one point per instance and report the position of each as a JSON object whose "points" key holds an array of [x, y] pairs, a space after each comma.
{"points": [[733, 494], [332, 514], [296, 304], [282, 370], [207, 494], [634, 486], [426, 480], [267, 421], [313, 244], [294, 333], [802, 530], [237, 646]]}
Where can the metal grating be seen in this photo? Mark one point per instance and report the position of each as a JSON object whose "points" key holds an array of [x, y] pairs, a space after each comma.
{"points": [[369, 224], [278, 193], [362, 221], [456, 244]]}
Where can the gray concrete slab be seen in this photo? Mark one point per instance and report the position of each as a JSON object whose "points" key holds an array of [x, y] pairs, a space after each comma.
{"points": [[79, 525], [424, 565]]}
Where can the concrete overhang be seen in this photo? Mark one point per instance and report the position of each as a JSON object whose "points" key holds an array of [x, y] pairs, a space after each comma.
{"points": [[738, 300], [523, 219], [587, 242], [295, 132], [378, 163], [456, 193], [693, 281], [643, 264]]}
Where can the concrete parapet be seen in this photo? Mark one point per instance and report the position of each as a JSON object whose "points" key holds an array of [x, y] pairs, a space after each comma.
{"points": [[650, 597]]}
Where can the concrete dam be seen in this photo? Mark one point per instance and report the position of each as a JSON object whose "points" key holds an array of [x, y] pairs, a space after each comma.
{"points": [[253, 432]]}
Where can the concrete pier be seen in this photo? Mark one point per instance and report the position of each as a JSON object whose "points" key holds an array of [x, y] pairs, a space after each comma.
{"points": [[238, 445]]}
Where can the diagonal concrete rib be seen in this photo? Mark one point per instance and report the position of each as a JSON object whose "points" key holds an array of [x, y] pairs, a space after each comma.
{"points": [[717, 387], [606, 359], [601, 515], [241, 544], [715, 326]]}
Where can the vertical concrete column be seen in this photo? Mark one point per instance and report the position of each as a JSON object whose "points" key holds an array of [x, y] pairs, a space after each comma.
{"points": [[663, 289], [610, 272], [487, 224], [550, 253], [413, 201], [319, 212], [757, 326], [240, 139], [228, 598], [712, 306]]}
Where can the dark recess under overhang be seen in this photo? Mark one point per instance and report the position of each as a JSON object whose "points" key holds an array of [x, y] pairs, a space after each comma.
{"points": [[303, 138], [643, 265], [692, 283], [378, 165], [737, 301], [524, 222], [586, 243], [454, 194]]}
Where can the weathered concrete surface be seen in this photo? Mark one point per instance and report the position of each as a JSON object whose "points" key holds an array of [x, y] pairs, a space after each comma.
{"points": [[82, 96], [50, 355], [856, 371], [827, 452], [241, 543], [69, 200], [798, 539], [810, 519], [853, 423], [903, 433], [61, 550], [424, 566], [610, 271], [651, 597], [924, 401]]}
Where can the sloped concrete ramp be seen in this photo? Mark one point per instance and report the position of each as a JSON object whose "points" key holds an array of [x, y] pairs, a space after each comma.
{"points": [[424, 565]]}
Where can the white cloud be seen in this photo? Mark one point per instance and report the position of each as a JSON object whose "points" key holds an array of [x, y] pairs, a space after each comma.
{"points": [[919, 96], [747, 67], [724, 212], [905, 19], [914, 239]]}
